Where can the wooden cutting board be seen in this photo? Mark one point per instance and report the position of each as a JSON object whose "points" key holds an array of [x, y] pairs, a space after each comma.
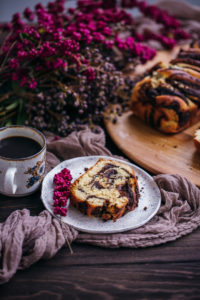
{"points": [[156, 151]]}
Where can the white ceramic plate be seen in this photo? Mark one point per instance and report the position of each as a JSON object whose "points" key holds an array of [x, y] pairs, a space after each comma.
{"points": [[149, 201]]}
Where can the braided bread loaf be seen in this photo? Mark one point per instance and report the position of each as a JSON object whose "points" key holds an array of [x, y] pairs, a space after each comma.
{"points": [[169, 97]]}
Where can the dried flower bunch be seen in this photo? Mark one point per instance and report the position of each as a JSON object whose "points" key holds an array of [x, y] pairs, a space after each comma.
{"points": [[61, 68]]}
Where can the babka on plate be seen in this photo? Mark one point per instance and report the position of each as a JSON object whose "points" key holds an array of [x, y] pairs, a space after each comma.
{"points": [[107, 190], [168, 99]]}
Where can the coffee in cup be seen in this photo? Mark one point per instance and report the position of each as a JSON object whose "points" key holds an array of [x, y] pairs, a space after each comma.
{"points": [[22, 160]]}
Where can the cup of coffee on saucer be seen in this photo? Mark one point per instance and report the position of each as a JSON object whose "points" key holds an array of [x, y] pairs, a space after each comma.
{"points": [[22, 160]]}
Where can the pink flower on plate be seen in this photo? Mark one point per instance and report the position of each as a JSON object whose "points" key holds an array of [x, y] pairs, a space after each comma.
{"points": [[61, 191]]}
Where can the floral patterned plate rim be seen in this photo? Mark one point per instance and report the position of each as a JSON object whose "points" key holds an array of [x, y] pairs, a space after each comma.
{"points": [[149, 201]]}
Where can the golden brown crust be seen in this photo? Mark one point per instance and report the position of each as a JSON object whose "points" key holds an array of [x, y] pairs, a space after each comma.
{"points": [[162, 106], [169, 98], [107, 210]]}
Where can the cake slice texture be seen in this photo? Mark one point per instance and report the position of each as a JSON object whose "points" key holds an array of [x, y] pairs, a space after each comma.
{"points": [[107, 190]]}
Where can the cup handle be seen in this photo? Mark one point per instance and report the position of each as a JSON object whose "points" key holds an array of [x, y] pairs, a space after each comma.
{"points": [[9, 186]]}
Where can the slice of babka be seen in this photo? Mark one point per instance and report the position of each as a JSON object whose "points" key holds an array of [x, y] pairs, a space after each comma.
{"points": [[108, 190]]}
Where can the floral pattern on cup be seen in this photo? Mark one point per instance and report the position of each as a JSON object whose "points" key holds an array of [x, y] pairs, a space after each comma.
{"points": [[37, 173]]}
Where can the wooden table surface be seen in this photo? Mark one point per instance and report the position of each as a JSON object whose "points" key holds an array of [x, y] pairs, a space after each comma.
{"points": [[170, 271]]}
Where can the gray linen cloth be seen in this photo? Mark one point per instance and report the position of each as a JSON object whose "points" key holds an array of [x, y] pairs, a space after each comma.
{"points": [[25, 239]]}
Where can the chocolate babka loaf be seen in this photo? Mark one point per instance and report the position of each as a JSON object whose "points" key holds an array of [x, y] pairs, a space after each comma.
{"points": [[169, 98], [107, 190]]}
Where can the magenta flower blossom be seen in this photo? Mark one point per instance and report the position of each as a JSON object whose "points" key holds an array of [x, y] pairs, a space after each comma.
{"points": [[59, 59], [98, 37], [22, 54], [90, 74], [62, 183], [107, 30], [57, 39], [60, 211], [76, 36], [109, 43], [28, 14], [14, 64], [33, 84]]}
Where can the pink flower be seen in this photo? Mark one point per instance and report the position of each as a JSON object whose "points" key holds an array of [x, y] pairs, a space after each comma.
{"points": [[90, 74], [120, 43], [33, 84], [92, 26], [63, 211], [56, 202], [130, 41], [21, 54], [107, 30], [16, 17], [60, 211], [58, 63], [85, 61], [33, 53], [70, 45], [76, 36], [14, 64], [70, 28], [98, 36], [63, 201], [101, 24], [28, 14], [109, 43], [61, 191], [39, 6]]}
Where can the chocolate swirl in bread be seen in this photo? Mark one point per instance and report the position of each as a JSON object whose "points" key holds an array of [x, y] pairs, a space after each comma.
{"points": [[169, 98], [107, 190]]}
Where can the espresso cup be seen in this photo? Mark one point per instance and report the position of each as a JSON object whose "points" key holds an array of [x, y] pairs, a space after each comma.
{"points": [[21, 168]]}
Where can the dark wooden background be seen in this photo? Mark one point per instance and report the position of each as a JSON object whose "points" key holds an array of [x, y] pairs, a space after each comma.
{"points": [[170, 271]]}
